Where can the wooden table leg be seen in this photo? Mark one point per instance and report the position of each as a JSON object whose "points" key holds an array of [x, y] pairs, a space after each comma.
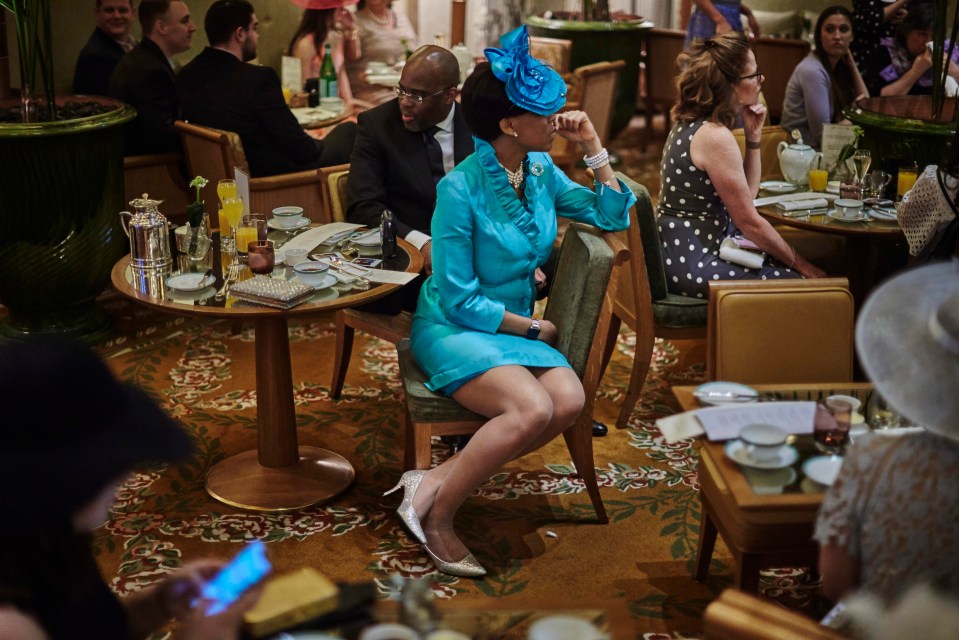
{"points": [[279, 475], [747, 572], [707, 542]]}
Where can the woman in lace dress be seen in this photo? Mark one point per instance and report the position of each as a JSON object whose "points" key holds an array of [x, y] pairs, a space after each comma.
{"points": [[707, 188], [385, 35], [891, 519], [928, 215]]}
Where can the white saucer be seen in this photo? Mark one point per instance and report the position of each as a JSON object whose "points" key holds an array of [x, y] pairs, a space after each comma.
{"points": [[882, 214], [273, 224], [822, 469], [736, 451], [778, 186], [189, 281], [704, 391], [832, 213], [327, 281]]}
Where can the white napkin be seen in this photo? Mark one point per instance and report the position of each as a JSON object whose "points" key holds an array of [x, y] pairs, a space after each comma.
{"points": [[808, 203], [789, 197], [724, 422], [312, 238], [730, 252]]}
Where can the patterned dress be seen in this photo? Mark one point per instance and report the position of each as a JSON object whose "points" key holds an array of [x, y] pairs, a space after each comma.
{"points": [[486, 245], [701, 26], [693, 222], [893, 509]]}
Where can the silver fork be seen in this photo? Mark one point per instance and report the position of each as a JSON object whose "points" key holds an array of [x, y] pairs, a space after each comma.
{"points": [[338, 265], [232, 275]]}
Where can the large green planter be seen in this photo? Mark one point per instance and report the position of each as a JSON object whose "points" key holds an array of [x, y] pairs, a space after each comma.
{"points": [[61, 187], [599, 42], [901, 128]]}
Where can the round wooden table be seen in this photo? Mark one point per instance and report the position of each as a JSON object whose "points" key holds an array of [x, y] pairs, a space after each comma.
{"points": [[279, 475]]}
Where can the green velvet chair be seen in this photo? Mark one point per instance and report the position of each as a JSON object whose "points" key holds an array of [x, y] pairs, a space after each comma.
{"points": [[579, 307], [642, 301]]}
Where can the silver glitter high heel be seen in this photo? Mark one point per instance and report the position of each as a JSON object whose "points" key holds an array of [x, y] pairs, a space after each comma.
{"points": [[468, 567], [410, 481]]}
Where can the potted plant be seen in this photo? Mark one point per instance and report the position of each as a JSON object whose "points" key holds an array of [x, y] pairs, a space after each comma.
{"points": [[61, 187], [598, 36]]}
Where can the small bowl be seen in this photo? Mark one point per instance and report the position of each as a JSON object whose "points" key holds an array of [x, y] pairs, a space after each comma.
{"points": [[294, 256], [311, 272], [848, 208], [288, 217]]}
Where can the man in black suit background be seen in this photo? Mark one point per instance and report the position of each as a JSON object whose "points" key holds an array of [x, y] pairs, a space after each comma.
{"points": [[403, 148], [220, 89], [144, 78], [110, 40]]}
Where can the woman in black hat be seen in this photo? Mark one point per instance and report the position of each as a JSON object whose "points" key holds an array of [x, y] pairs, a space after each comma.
{"points": [[70, 433]]}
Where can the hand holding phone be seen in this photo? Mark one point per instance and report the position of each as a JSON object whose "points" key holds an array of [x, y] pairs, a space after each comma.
{"points": [[246, 569]]}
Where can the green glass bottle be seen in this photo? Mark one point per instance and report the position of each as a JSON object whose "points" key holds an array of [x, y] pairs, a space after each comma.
{"points": [[328, 88], [406, 48]]}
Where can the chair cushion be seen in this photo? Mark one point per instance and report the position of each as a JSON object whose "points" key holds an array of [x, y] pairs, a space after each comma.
{"points": [[239, 155], [421, 403], [680, 312]]}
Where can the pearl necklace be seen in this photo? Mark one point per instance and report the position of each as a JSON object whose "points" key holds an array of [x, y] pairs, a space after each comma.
{"points": [[383, 22], [515, 177]]}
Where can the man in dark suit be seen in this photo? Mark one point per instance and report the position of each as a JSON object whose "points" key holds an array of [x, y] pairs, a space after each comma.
{"points": [[110, 40], [144, 78], [220, 89], [403, 148]]}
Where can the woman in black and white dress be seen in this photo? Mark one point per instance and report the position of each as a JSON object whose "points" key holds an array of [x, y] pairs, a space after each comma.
{"points": [[707, 189]]}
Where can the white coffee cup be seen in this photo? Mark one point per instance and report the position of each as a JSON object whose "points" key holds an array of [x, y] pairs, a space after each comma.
{"points": [[848, 208], [854, 402], [563, 628], [295, 255], [763, 442]]}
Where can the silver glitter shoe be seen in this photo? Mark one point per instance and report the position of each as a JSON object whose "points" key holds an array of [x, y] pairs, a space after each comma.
{"points": [[410, 481], [468, 567]]}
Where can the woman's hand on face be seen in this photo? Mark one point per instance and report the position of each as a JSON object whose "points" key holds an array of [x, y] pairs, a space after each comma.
{"points": [[754, 116], [574, 126], [548, 332]]}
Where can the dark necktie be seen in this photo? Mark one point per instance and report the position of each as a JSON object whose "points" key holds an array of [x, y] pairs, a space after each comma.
{"points": [[434, 154]]}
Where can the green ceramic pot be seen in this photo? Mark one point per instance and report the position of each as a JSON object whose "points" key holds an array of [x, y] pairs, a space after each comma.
{"points": [[601, 42], [900, 128], [61, 187]]}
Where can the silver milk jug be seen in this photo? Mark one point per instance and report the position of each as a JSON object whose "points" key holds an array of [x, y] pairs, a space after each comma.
{"points": [[149, 234]]}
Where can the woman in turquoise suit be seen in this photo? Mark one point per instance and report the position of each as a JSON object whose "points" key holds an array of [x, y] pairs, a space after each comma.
{"points": [[473, 332]]}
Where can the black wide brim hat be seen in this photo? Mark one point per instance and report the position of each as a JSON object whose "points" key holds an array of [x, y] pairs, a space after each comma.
{"points": [[68, 430]]}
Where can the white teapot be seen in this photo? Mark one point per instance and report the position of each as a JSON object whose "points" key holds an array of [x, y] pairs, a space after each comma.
{"points": [[794, 162]]}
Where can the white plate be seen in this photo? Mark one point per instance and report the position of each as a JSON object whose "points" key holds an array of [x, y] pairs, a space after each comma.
{"points": [[822, 469], [882, 214], [190, 281], [273, 224], [770, 481], [778, 186], [832, 187], [712, 393], [736, 451], [832, 213], [371, 239], [328, 280]]}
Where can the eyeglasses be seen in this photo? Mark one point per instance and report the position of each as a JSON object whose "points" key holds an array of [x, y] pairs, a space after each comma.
{"points": [[418, 98], [758, 74]]}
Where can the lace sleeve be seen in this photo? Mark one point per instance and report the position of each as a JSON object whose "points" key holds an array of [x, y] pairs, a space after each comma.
{"points": [[924, 212]]}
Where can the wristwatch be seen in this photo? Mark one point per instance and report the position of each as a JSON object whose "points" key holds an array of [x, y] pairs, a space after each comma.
{"points": [[533, 332]]}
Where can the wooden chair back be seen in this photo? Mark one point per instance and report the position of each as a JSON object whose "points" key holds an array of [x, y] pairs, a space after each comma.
{"points": [[334, 181], [594, 86], [553, 51], [160, 176], [780, 331], [208, 151], [777, 58], [736, 615]]}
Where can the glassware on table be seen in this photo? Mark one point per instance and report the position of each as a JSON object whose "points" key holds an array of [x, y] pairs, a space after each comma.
{"points": [[226, 189], [861, 160], [875, 183], [232, 212], [832, 423], [252, 228], [880, 415], [908, 172], [818, 175], [260, 256]]}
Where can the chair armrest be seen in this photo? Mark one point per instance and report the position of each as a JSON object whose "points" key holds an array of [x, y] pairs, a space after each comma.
{"points": [[151, 160], [282, 181]]}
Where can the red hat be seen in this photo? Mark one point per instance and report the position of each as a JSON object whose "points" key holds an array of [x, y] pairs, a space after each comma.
{"points": [[322, 4]]}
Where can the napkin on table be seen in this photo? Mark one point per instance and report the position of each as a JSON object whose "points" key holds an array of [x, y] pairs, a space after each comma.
{"points": [[797, 205]]}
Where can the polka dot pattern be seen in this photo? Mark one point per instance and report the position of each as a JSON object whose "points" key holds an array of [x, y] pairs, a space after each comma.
{"points": [[693, 222]]}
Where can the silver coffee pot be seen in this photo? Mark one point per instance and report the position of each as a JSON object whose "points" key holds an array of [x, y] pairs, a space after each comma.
{"points": [[149, 234]]}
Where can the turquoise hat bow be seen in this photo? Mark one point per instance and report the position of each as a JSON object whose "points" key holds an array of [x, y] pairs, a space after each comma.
{"points": [[530, 83]]}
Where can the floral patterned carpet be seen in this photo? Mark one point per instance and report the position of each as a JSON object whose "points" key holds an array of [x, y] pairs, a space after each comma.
{"points": [[202, 372]]}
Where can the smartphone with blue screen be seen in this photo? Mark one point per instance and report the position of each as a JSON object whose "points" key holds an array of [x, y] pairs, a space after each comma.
{"points": [[246, 569]]}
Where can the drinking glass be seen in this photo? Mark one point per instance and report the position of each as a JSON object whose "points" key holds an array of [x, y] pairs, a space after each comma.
{"points": [[232, 212], [261, 257], [880, 415], [252, 228], [818, 176], [831, 428], [226, 188], [908, 172], [861, 160], [875, 183]]}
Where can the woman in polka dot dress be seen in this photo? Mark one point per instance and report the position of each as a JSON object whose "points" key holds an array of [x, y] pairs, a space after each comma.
{"points": [[707, 189]]}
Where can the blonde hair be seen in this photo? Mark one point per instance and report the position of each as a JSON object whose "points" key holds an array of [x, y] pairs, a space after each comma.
{"points": [[709, 71]]}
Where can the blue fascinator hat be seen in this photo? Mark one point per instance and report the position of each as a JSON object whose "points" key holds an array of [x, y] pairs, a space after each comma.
{"points": [[530, 83]]}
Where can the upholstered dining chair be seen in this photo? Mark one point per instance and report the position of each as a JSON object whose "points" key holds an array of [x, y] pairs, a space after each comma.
{"points": [[660, 71], [159, 175], [592, 89], [770, 138], [578, 306], [780, 331], [348, 321], [213, 153], [642, 300], [736, 615], [553, 51]]}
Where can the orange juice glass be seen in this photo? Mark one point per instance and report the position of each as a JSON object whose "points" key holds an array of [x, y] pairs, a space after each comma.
{"points": [[818, 178], [908, 172]]}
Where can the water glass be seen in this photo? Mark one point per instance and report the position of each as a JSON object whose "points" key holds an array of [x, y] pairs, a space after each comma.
{"points": [[261, 257], [880, 414], [832, 423]]}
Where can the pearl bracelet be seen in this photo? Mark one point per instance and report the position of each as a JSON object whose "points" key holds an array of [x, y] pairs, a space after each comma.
{"points": [[601, 159]]}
